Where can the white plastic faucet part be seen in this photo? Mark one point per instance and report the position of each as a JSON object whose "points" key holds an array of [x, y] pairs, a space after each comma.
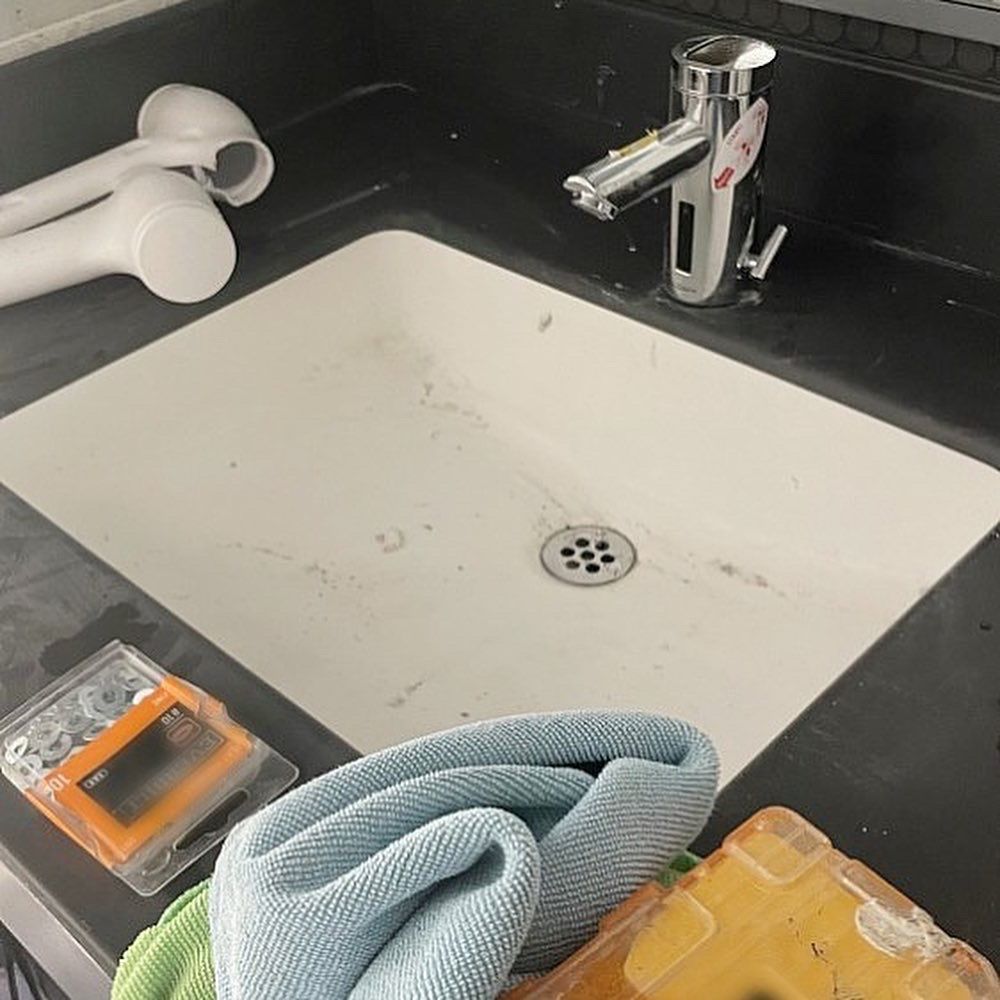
{"points": [[158, 225], [178, 126]]}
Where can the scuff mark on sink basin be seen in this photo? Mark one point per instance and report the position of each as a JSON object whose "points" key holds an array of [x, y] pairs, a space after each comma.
{"points": [[391, 540], [735, 572]]}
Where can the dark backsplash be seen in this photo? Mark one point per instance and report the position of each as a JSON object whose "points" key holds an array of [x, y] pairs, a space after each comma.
{"points": [[905, 47], [883, 131]]}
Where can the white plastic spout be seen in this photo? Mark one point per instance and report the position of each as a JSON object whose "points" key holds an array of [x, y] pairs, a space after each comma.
{"points": [[159, 226], [178, 126]]}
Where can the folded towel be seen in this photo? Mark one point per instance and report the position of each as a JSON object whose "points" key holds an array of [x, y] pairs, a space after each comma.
{"points": [[444, 867]]}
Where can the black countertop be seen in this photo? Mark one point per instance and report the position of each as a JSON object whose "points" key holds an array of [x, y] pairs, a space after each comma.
{"points": [[898, 761], [59, 604]]}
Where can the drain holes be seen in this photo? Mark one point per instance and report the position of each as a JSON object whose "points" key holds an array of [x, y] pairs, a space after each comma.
{"points": [[589, 556]]}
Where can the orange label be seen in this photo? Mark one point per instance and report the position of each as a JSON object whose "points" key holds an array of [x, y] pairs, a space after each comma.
{"points": [[144, 772]]}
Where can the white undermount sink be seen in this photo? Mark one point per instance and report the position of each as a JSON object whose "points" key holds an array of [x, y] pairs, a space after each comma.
{"points": [[345, 479]]}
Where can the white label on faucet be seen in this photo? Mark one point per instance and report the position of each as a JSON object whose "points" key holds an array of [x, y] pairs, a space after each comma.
{"points": [[739, 150]]}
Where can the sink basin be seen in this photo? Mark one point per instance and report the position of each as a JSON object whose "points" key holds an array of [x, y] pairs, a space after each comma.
{"points": [[345, 480]]}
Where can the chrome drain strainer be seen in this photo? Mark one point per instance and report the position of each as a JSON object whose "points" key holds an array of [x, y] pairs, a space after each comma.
{"points": [[588, 555]]}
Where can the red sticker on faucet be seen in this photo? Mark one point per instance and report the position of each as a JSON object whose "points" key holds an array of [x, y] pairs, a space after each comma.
{"points": [[739, 150]]}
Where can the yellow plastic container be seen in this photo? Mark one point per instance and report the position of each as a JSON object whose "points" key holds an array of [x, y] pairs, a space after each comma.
{"points": [[775, 914]]}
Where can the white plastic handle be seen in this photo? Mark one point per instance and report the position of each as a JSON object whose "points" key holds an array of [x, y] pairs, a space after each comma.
{"points": [[158, 225], [178, 126]]}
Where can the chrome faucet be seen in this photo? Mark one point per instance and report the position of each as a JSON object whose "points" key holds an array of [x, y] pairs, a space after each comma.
{"points": [[711, 156]]}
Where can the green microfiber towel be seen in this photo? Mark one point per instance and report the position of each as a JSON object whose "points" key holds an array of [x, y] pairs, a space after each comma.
{"points": [[678, 868], [173, 959]]}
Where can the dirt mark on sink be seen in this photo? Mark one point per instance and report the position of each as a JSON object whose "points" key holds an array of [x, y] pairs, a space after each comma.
{"points": [[326, 576], [261, 550], [391, 540], [735, 572], [399, 700], [468, 413]]}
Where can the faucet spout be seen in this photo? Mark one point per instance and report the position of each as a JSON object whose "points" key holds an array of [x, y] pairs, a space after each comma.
{"points": [[640, 170]]}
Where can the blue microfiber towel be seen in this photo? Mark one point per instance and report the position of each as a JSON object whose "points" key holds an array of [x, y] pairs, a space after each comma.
{"points": [[449, 866]]}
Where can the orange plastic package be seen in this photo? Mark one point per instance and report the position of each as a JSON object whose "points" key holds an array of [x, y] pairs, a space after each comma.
{"points": [[775, 914], [143, 770]]}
